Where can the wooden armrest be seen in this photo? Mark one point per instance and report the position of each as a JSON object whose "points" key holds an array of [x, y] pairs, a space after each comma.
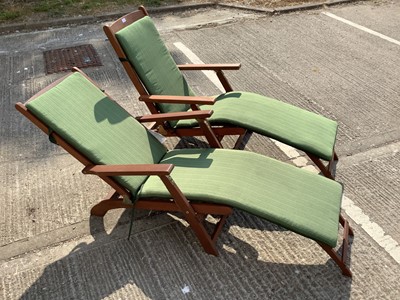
{"points": [[214, 67], [120, 170], [177, 99], [198, 114]]}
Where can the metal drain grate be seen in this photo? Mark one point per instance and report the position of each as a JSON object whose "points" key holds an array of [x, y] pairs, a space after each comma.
{"points": [[61, 60]]}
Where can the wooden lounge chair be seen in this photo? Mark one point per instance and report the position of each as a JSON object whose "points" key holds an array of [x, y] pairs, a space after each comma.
{"points": [[163, 88], [112, 144]]}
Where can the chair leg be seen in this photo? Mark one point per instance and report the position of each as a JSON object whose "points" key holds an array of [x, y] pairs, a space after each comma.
{"points": [[190, 215], [341, 260], [324, 169], [343, 221], [209, 134], [218, 228], [338, 260], [242, 140], [332, 164], [113, 201], [202, 235]]}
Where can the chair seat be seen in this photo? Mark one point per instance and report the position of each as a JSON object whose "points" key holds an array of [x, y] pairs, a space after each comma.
{"points": [[283, 194], [291, 125]]}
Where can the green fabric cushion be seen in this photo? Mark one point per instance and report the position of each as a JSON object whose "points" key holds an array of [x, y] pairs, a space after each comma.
{"points": [[104, 132], [152, 61], [289, 124], [96, 126], [296, 199]]}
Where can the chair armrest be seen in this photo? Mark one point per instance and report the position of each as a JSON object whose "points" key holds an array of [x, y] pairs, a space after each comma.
{"points": [[177, 99], [120, 170], [198, 114], [217, 68], [214, 67]]}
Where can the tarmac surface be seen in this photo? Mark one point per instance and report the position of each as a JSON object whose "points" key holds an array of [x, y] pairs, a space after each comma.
{"points": [[51, 249]]}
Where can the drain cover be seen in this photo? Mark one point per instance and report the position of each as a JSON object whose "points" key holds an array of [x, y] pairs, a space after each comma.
{"points": [[61, 60]]}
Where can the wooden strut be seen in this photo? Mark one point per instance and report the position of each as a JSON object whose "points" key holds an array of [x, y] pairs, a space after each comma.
{"points": [[194, 213], [242, 140], [327, 171], [340, 260]]}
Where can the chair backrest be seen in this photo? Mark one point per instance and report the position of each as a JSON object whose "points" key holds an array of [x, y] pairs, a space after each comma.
{"points": [[96, 126], [136, 39]]}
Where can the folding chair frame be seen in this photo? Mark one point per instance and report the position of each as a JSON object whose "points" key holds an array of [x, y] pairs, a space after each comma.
{"points": [[194, 213]]}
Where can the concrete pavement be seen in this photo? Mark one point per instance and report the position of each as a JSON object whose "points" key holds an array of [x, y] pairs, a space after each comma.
{"points": [[51, 249]]}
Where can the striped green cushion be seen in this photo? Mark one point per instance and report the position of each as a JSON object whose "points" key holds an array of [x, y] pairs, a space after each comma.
{"points": [[96, 126], [101, 130], [152, 61], [289, 124], [283, 194]]}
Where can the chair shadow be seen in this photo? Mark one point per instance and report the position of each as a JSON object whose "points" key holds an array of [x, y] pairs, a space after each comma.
{"points": [[157, 264]]}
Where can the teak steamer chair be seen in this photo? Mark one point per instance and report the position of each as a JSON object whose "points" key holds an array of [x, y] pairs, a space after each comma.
{"points": [[170, 100], [113, 145]]}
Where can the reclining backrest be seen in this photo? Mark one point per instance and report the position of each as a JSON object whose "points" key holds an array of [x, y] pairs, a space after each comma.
{"points": [[96, 126], [153, 63]]}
